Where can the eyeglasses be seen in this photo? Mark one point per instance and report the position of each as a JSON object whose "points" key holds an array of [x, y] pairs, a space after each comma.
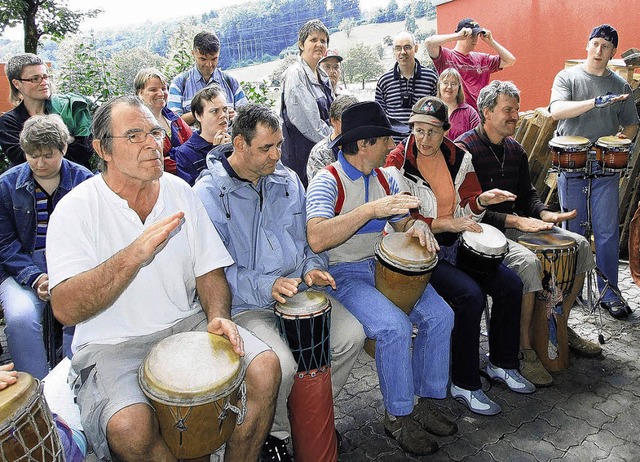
{"points": [[431, 133], [449, 84], [36, 78], [406, 48], [140, 136]]}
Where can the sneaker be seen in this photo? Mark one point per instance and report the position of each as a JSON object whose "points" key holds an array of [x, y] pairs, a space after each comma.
{"points": [[475, 400], [581, 346], [617, 308], [409, 435], [275, 449], [511, 378], [432, 420], [532, 369]]}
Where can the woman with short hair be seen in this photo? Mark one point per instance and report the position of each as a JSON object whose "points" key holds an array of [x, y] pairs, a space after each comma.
{"points": [[29, 193]]}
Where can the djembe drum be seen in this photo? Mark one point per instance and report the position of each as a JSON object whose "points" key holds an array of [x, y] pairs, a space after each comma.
{"points": [[557, 253], [194, 381], [403, 271], [27, 429], [480, 254], [305, 322]]}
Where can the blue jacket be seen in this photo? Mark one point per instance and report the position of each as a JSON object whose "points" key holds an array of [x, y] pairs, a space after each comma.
{"points": [[18, 218], [191, 157], [263, 228]]}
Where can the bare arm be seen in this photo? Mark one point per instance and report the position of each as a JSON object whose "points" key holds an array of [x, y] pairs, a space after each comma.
{"points": [[526, 224], [434, 42], [561, 110], [215, 298], [87, 294], [506, 57], [327, 233], [188, 118], [630, 131]]}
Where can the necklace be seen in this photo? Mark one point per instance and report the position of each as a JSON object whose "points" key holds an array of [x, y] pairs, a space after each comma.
{"points": [[500, 162]]}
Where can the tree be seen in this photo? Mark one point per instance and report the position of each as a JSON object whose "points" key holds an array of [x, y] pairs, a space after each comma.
{"points": [[125, 64], [41, 18], [410, 23], [361, 63], [346, 25]]}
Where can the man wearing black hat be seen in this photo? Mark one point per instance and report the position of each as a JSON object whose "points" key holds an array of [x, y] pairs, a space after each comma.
{"points": [[348, 205], [591, 101], [474, 67]]}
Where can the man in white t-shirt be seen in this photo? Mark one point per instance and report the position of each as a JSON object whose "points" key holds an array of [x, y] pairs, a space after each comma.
{"points": [[134, 258]]}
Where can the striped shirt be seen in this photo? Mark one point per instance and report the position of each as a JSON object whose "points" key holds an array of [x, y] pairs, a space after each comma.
{"points": [[392, 85], [322, 197], [184, 86], [44, 207]]}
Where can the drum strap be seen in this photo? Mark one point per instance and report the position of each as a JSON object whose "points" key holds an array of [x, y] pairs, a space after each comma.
{"points": [[340, 200]]}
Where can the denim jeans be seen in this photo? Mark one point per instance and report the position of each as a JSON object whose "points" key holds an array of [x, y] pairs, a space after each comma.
{"points": [[467, 297], [403, 371], [604, 215]]}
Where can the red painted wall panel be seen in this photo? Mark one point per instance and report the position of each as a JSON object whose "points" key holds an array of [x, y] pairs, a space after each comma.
{"points": [[542, 35]]}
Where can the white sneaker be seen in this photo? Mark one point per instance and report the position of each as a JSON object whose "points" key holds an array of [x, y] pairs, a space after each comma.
{"points": [[475, 400], [511, 378]]}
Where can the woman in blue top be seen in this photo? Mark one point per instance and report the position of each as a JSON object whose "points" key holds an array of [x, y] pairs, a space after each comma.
{"points": [[28, 194]]}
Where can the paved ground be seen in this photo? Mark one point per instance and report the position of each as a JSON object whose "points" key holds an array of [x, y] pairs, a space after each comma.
{"points": [[591, 413]]}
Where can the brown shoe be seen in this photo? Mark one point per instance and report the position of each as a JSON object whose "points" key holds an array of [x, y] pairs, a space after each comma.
{"points": [[409, 435], [432, 420], [532, 369], [581, 346]]}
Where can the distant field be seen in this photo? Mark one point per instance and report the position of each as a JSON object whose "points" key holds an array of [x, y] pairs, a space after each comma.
{"points": [[368, 33]]}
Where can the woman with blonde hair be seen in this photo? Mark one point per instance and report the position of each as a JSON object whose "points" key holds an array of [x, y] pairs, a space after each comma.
{"points": [[462, 117]]}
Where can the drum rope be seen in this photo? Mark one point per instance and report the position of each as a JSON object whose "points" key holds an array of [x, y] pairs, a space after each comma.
{"points": [[181, 422], [241, 413]]}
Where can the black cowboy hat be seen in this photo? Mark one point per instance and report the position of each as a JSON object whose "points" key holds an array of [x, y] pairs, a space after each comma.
{"points": [[366, 120]]}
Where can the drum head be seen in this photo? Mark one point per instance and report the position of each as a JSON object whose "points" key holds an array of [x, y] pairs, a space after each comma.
{"points": [[613, 142], [575, 143], [490, 241], [545, 240], [191, 368], [305, 303], [16, 397], [405, 253]]}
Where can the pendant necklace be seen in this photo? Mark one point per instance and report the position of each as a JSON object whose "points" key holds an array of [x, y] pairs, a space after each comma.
{"points": [[501, 163]]}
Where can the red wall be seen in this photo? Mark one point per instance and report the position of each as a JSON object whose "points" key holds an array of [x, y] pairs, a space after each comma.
{"points": [[542, 34], [5, 103]]}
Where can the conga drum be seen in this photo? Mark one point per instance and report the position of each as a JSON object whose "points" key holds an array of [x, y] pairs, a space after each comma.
{"points": [[569, 153], [403, 271], [194, 381], [557, 253], [305, 322], [27, 429], [480, 254], [612, 153]]}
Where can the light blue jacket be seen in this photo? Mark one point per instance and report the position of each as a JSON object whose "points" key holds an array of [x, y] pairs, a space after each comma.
{"points": [[263, 228]]}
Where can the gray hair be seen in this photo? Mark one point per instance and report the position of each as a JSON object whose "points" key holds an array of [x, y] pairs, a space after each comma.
{"points": [[44, 133], [14, 68], [451, 72], [405, 33], [339, 105], [247, 118], [102, 126], [309, 27], [488, 97], [144, 75]]}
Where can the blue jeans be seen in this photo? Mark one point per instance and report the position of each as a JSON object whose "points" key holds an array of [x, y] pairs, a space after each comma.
{"points": [[403, 372], [604, 215], [467, 297]]}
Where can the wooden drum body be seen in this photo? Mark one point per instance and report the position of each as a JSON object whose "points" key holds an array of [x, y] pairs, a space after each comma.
{"points": [[305, 323], [480, 254], [612, 153], [569, 153], [403, 271], [557, 253], [27, 430], [193, 380]]}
